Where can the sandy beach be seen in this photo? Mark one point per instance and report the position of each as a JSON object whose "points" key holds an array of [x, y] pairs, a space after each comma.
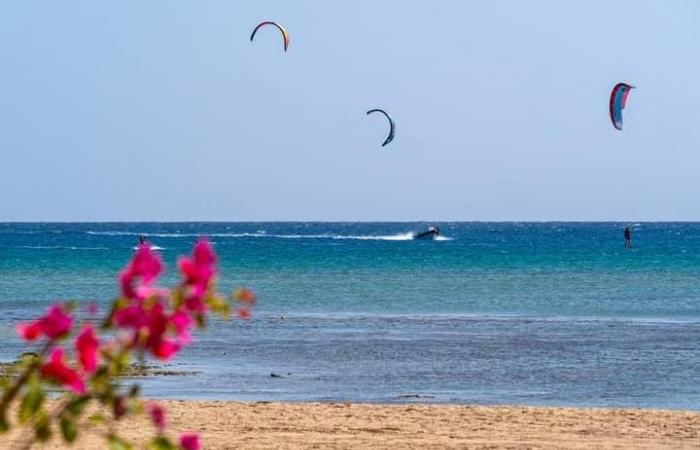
{"points": [[228, 425]]}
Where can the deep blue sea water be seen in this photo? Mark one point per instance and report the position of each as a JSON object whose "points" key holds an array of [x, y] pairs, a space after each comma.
{"points": [[495, 313]]}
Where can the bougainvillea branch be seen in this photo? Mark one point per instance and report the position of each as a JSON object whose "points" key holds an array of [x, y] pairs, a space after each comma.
{"points": [[84, 361]]}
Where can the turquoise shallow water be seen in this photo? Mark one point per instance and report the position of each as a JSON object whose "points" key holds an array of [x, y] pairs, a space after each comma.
{"points": [[533, 313]]}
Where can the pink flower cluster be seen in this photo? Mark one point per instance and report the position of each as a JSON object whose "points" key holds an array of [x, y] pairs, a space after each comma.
{"points": [[147, 318], [140, 273], [156, 328], [56, 324], [197, 273]]}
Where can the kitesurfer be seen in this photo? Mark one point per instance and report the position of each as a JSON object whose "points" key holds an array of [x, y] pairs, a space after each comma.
{"points": [[628, 237], [142, 240]]}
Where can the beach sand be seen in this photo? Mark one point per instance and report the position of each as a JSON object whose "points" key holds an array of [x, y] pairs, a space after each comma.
{"points": [[228, 425]]}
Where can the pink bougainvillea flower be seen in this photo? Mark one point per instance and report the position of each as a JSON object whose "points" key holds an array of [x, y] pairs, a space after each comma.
{"points": [[86, 344], [204, 253], [182, 323], [195, 299], [134, 316], [145, 267], [154, 330], [199, 269], [190, 441], [198, 272], [57, 371], [29, 331], [146, 264], [165, 348], [55, 324], [156, 327], [144, 292], [157, 414]]}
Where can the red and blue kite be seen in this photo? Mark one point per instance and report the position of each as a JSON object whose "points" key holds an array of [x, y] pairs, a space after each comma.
{"points": [[618, 100]]}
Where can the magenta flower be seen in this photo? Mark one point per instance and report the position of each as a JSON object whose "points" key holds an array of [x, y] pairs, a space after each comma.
{"points": [[153, 326], [55, 324], [145, 267], [198, 272], [182, 323], [134, 316], [195, 299], [165, 348], [86, 344], [157, 326], [190, 441], [57, 371], [199, 269], [157, 414], [144, 292]]}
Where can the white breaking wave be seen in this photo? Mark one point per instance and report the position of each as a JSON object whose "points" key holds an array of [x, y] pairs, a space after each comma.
{"points": [[59, 247], [152, 247], [263, 234]]}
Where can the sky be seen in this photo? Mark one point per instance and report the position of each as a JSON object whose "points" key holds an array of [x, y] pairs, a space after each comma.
{"points": [[165, 111]]}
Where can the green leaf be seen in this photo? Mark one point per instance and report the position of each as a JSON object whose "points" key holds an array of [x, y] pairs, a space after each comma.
{"points": [[42, 429], [117, 443], [97, 418], [161, 443], [68, 429], [31, 402], [4, 426], [77, 405]]}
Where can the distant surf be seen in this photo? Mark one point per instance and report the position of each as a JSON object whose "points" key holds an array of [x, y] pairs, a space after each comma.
{"points": [[59, 247], [262, 234]]}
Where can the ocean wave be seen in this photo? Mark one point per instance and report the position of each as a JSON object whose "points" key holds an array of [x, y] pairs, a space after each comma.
{"points": [[146, 234], [59, 247], [263, 234]]}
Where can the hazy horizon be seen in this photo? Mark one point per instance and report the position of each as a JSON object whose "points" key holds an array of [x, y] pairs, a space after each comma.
{"points": [[151, 112]]}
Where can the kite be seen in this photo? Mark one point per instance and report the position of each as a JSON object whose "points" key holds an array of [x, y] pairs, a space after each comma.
{"points": [[618, 101], [283, 30], [392, 126]]}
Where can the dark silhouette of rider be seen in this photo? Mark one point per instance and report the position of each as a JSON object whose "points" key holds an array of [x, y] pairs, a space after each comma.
{"points": [[628, 237]]}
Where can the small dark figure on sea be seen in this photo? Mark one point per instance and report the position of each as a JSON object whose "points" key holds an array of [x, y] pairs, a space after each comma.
{"points": [[628, 237], [142, 239]]}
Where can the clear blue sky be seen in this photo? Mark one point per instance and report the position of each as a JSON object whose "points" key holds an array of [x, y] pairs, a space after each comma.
{"points": [[163, 110]]}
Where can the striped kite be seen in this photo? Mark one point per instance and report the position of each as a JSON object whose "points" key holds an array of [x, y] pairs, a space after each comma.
{"points": [[618, 101], [283, 30]]}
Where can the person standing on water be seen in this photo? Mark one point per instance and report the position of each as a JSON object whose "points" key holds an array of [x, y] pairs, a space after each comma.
{"points": [[628, 237]]}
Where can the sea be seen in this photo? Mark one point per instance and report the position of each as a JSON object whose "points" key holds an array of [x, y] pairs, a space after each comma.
{"points": [[555, 314]]}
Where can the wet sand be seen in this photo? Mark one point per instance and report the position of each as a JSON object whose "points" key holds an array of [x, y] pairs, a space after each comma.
{"points": [[229, 425]]}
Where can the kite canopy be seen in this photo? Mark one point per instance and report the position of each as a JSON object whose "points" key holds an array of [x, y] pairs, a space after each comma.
{"points": [[618, 101], [392, 126], [282, 29]]}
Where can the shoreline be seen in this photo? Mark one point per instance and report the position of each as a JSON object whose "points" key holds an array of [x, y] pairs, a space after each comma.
{"points": [[258, 425]]}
